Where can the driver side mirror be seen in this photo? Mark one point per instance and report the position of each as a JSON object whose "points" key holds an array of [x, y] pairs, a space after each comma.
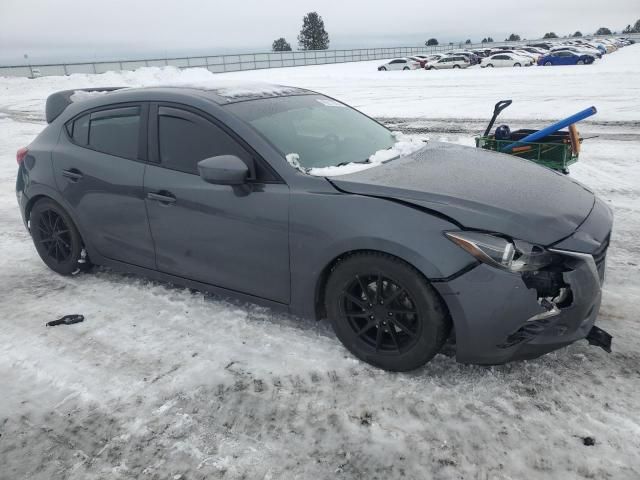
{"points": [[223, 170]]}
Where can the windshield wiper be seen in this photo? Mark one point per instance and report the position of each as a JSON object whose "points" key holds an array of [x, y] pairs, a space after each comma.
{"points": [[342, 164]]}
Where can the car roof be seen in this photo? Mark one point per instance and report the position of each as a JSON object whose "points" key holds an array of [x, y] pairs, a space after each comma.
{"points": [[224, 92], [215, 91]]}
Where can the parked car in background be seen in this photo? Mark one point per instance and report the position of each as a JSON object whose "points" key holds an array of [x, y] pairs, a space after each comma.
{"points": [[533, 50], [400, 64], [431, 59], [449, 61], [594, 52], [473, 58], [481, 53], [523, 53], [608, 45], [505, 60], [421, 61], [565, 57], [542, 45]]}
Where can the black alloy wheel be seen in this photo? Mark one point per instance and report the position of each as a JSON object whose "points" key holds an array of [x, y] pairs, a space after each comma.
{"points": [[381, 313], [55, 236], [57, 239], [385, 312]]}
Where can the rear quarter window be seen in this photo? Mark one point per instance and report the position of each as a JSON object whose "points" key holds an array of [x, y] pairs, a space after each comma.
{"points": [[114, 131]]}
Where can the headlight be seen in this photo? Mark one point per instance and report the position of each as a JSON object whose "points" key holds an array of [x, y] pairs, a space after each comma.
{"points": [[499, 252]]}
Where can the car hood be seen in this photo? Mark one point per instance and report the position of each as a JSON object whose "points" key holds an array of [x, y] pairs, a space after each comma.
{"points": [[480, 190]]}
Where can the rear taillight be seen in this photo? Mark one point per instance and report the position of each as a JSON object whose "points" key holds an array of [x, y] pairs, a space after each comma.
{"points": [[20, 154]]}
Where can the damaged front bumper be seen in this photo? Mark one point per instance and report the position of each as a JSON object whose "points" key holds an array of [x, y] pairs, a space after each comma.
{"points": [[500, 316]]}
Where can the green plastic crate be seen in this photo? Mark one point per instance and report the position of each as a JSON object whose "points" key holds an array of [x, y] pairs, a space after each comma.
{"points": [[555, 155]]}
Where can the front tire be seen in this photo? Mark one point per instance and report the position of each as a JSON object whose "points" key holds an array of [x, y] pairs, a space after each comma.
{"points": [[57, 239], [490, 65], [547, 64], [580, 62], [517, 65], [406, 68], [456, 66], [385, 312], [383, 69]]}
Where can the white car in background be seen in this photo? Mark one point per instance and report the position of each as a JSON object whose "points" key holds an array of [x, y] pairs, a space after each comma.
{"points": [[505, 60], [400, 64], [448, 61], [524, 54]]}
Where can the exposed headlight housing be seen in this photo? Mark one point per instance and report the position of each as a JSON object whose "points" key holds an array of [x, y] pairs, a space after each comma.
{"points": [[500, 252]]}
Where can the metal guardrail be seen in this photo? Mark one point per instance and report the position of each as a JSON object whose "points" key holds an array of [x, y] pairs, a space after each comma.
{"points": [[245, 61]]}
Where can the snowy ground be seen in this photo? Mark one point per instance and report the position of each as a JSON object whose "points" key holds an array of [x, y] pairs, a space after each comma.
{"points": [[159, 382]]}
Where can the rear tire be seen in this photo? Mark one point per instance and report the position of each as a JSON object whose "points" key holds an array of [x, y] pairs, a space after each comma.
{"points": [[547, 64], [57, 239], [406, 68], [517, 65], [383, 69], [580, 62], [456, 66], [490, 65], [385, 312]]}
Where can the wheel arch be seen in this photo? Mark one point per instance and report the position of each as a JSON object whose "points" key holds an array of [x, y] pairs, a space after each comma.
{"points": [[323, 277], [46, 195]]}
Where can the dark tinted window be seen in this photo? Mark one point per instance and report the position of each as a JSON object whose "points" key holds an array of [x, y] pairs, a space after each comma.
{"points": [[186, 138], [78, 130], [115, 131]]}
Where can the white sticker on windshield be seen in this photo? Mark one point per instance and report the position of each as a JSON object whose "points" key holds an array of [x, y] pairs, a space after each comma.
{"points": [[329, 103]]}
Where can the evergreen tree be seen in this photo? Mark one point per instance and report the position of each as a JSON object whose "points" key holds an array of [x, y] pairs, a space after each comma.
{"points": [[512, 38], [550, 35], [313, 36], [577, 34], [603, 31], [281, 45], [468, 42], [431, 42]]}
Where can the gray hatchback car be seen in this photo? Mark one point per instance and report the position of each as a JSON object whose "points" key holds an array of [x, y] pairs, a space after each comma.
{"points": [[191, 185]]}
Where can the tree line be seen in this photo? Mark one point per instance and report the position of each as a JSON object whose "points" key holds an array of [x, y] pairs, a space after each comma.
{"points": [[313, 35], [635, 28]]}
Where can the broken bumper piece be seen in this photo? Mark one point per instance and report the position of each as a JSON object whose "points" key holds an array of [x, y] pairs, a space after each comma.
{"points": [[599, 338], [529, 314]]}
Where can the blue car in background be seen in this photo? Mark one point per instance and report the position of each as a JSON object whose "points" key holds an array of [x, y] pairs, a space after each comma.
{"points": [[565, 57]]}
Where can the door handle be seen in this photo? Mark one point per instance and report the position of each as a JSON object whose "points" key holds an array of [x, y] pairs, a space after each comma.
{"points": [[166, 198], [73, 174]]}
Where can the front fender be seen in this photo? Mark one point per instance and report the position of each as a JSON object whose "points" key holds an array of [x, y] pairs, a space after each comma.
{"points": [[325, 226]]}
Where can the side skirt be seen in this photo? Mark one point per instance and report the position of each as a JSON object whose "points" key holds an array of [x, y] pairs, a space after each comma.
{"points": [[222, 293]]}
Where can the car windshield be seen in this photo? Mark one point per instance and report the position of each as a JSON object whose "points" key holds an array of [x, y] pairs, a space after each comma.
{"points": [[320, 131]]}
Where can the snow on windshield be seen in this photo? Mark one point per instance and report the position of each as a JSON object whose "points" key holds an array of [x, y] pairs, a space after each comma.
{"points": [[405, 145]]}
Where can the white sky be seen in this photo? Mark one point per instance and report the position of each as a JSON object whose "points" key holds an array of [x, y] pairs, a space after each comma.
{"points": [[45, 29]]}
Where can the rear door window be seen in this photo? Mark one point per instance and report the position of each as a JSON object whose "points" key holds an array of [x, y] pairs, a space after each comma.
{"points": [[115, 131]]}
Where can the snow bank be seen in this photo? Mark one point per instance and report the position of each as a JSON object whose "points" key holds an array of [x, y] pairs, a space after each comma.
{"points": [[540, 93]]}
